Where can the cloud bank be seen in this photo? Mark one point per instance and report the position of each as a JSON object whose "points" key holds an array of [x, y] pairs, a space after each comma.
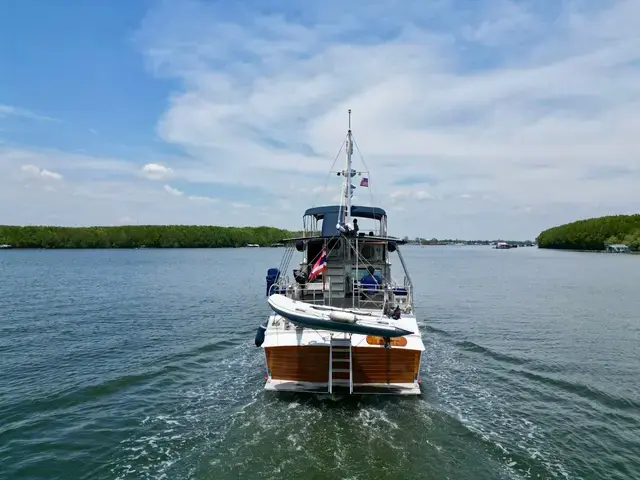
{"points": [[474, 119]]}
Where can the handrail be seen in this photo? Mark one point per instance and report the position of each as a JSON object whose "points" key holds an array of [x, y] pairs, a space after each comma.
{"points": [[408, 282], [352, 284]]}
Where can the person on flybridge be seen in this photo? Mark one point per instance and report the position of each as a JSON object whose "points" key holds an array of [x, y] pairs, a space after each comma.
{"points": [[371, 280], [348, 229]]}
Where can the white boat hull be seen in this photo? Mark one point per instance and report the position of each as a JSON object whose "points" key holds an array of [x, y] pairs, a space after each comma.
{"points": [[412, 388]]}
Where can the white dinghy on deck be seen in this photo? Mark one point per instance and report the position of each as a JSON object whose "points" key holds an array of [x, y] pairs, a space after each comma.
{"points": [[336, 319]]}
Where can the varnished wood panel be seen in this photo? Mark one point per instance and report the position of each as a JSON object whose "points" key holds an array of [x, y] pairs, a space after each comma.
{"points": [[340, 375], [370, 365], [341, 355], [380, 365], [300, 364]]}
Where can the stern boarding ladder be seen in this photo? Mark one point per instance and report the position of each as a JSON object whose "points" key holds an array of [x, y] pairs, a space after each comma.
{"points": [[340, 361]]}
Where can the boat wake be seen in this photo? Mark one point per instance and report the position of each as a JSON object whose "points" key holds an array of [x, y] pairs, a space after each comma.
{"points": [[169, 441], [497, 419]]}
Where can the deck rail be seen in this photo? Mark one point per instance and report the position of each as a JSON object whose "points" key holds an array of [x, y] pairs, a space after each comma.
{"points": [[346, 291]]}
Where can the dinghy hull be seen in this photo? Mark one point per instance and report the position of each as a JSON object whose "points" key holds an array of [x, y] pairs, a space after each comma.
{"points": [[305, 315]]}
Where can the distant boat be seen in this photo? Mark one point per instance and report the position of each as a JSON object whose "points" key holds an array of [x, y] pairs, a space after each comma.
{"points": [[253, 245], [617, 248], [5, 246], [502, 246]]}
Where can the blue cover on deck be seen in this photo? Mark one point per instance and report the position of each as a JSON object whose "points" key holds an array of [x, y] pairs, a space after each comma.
{"points": [[273, 274], [329, 224]]}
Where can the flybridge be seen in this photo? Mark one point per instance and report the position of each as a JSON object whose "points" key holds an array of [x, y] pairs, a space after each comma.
{"points": [[331, 215], [376, 213]]}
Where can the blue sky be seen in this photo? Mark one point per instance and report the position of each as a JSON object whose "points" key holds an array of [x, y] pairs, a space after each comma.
{"points": [[476, 119]]}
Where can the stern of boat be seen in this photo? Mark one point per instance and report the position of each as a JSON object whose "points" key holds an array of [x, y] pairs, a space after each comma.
{"points": [[305, 360]]}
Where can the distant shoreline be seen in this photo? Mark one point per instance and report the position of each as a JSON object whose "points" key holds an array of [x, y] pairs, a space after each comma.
{"points": [[575, 250], [594, 234], [137, 237], [132, 248]]}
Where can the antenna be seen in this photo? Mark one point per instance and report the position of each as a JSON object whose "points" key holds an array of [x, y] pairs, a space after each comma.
{"points": [[347, 175]]}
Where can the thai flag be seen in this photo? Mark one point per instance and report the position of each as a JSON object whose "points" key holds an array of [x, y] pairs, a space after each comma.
{"points": [[320, 265], [364, 182]]}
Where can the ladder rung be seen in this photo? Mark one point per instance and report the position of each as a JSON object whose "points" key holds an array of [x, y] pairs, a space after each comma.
{"points": [[340, 370], [340, 359], [341, 349]]}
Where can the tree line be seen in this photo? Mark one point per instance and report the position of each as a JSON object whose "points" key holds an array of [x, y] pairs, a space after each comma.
{"points": [[593, 233], [452, 241], [139, 236]]}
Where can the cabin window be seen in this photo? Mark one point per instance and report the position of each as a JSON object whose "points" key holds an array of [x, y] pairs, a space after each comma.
{"points": [[314, 248], [372, 252], [361, 271], [334, 249]]}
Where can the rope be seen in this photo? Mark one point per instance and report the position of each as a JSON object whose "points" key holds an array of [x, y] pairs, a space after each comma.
{"points": [[326, 182], [367, 170], [371, 194]]}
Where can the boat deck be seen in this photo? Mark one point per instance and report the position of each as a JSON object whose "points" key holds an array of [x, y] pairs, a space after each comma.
{"points": [[368, 303], [281, 332]]}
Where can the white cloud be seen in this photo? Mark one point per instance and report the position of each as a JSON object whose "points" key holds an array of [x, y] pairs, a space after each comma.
{"points": [[36, 172], [515, 106], [502, 21], [199, 198], [86, 165], [173, 191], [156, 171], [99, 191], [319, 189], [415, 195], [7, 110], [482, 101], [49, 174]]}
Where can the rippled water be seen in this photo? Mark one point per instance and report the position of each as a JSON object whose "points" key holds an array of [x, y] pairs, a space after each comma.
{"points": [[141, 364]]}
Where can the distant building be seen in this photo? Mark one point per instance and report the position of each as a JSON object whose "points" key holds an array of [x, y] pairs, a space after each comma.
{"points": [[617, 248]]}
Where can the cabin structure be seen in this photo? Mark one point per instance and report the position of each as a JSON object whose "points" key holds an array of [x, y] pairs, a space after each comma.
{"points": [[357, 275], [347, 281]]}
